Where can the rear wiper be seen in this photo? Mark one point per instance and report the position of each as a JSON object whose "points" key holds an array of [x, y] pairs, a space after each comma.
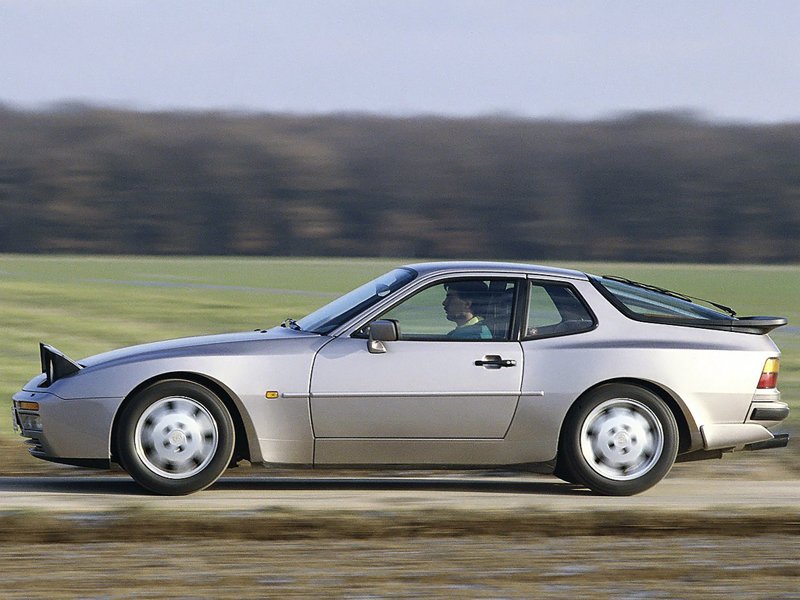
{"points": [[291, 324], [667, 292]]}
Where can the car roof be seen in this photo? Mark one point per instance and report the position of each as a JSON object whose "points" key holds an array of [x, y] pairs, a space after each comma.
{"points": [[428, 268]]}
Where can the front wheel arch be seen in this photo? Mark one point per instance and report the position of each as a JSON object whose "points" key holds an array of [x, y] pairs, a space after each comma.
{"points": [[175, 437], [242, 451]]}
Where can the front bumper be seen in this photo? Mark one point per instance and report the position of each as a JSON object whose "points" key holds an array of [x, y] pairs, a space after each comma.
{"points": [[76, 432]]}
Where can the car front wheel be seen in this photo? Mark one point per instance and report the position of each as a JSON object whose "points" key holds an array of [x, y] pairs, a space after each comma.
{"points": [[175, 437], [619, 440]]}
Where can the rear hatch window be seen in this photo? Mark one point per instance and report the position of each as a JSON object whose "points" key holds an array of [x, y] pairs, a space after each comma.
{"points": [[648, 301], [644, 302]]}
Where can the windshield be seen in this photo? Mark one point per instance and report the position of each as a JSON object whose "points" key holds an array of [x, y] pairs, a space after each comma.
{"points": [[649, 302], [341, 310]]}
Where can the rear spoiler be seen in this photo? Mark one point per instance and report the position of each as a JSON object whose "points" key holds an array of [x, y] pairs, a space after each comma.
{"points": [[754, 325], [55, 364], [761, 325]]}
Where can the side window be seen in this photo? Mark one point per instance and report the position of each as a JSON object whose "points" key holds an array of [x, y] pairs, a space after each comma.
{"points": [[555, 309], [458, 309]]}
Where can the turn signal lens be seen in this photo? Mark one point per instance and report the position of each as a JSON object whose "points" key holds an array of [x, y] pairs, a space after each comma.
{"points": [[769, 376], [25, 405]]}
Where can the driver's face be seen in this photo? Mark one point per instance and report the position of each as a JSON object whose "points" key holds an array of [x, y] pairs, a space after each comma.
{"points": [[456, 307]]}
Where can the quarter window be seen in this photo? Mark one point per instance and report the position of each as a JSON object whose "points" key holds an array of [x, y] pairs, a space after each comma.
{"points": [[555, 309]]}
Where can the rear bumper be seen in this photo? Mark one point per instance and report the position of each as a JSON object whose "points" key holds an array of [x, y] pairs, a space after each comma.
{"points": [[738, 436], [765, 412], [774, 413], [767, 409], [780, 440]]}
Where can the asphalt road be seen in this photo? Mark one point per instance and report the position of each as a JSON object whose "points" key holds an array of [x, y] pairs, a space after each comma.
{"points": [[528, 493]]}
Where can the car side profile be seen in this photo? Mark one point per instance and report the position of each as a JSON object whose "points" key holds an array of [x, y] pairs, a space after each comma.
{"points": [[602, 381]]}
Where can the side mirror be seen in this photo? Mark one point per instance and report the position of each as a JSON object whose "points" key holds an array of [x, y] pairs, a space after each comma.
{"points": [[382, 330]]}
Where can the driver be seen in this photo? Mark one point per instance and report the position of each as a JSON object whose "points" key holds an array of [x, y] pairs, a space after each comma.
{"points": [[462, 302]]}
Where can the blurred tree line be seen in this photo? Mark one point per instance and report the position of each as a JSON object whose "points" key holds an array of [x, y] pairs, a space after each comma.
{"points": [[642, 187]]}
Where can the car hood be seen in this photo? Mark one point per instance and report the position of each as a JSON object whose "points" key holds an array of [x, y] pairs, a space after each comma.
{"points": [[221, 344]]}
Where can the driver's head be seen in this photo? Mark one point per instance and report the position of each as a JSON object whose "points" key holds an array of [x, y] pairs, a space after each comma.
{"points": [[463, 300]]}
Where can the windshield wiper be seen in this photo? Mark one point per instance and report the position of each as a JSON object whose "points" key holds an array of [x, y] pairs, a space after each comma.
{"points": [[666, 292], [291, 324]]}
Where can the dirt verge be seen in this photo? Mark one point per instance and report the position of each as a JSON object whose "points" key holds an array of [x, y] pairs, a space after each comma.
{"points": [[142, 526]]}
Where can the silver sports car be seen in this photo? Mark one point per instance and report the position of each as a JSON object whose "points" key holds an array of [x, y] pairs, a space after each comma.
{"points": [[603, 381]]}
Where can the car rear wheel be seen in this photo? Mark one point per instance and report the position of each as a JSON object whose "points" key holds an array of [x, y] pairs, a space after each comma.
{"points": [[619, 440], [175, 437]]}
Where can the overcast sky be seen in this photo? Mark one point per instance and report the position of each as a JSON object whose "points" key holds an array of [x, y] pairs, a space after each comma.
{"points": [[727, 59]]}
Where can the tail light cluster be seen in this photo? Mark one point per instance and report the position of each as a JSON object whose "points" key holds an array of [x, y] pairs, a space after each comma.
{"points": [[769, 376]]}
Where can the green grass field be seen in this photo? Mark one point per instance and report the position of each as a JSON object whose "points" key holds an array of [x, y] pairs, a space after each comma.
{"points": [[86, 305]]}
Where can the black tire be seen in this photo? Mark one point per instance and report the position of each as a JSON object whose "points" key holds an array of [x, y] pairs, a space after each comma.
{"points": [[175, 437], [562, 472], [618, 440]]}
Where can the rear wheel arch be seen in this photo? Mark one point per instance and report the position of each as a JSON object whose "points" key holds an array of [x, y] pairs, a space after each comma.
{"points": [[606, 479], [682, 416], [242, 451]]}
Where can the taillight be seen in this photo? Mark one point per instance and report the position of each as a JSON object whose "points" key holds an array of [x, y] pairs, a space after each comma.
{"points": [[769, 376]]}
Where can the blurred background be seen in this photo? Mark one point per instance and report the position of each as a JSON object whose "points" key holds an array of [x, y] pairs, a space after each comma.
{"points": [[583, 130], [662, 137], [187, 167], [663, 186], [658, 140]]}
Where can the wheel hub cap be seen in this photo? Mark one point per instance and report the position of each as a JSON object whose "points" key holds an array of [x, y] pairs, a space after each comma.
{"points": [[176, 437], [621, 439]]}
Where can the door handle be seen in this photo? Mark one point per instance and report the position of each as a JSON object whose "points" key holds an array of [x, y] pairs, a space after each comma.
{"points": [[493, 361]]}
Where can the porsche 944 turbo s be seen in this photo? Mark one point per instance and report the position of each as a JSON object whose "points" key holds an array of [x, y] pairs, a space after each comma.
{"points": [[603, 381]]}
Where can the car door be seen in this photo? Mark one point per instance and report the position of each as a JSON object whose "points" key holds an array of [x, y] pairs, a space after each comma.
{"points": [[441, 379]]}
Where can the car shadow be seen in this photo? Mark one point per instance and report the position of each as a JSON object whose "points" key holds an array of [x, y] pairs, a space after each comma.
{"points": [[122, 485], [440, 484], [72, 484]]}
